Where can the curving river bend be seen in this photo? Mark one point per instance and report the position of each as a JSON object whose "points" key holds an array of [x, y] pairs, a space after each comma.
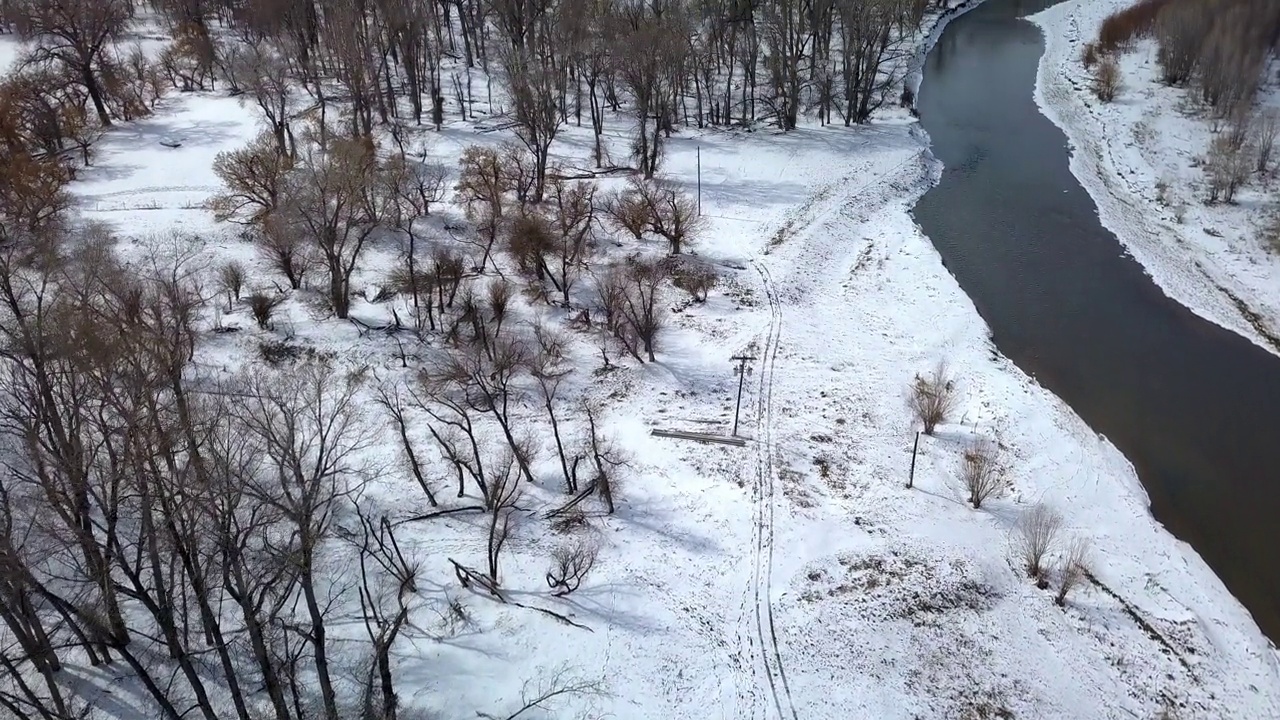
{"points": [[1194, 407]]}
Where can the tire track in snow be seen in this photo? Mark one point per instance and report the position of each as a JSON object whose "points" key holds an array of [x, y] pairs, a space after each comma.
{"points": [[766, 635]]}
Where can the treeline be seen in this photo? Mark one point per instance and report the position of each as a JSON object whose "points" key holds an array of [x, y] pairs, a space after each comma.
{"points": [[1221, 47], [663, 64]]}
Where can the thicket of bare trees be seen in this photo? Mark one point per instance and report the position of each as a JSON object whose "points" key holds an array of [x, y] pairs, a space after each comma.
{"points": [[1219, 46]]}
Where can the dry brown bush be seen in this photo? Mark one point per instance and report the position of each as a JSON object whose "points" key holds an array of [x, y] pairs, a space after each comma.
{"points": [[1121, 28]]}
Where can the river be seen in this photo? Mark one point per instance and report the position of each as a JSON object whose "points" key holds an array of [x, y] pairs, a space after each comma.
{"points": [[1194, 407]]}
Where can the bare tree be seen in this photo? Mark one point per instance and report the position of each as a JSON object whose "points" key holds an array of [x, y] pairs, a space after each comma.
{"points": [[632, 305], [412, 188], [606, 458], [573, 217], [932, 398], [482, 187], [333, 196], [625, 210], [548, 366], [391, 396], [670, 211], [78, 34], [506, 493], [388, 585], [1072, 569], [982, 472], [255, 177], [536, 87], [308, 433], [655, 50], [570, 565], [1038, 530], [872, 34], [260, 71]]}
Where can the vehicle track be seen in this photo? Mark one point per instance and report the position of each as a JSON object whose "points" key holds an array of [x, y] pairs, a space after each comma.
{"points": [[766, 636]]}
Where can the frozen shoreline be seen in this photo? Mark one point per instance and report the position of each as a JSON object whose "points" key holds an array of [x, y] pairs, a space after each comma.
{"points": [[1138, 159]]}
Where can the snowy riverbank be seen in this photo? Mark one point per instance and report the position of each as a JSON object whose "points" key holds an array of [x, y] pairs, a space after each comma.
{"points": [[1138, 158]]}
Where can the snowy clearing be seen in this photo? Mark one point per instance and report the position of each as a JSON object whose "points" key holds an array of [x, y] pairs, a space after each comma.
{"points": [[797, 576], [1139, 159]]}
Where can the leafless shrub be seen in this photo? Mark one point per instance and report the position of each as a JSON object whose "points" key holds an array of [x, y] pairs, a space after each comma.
{"points": [[1238, 128], [982, 472], [1266, 129], [570, 565], [695, 278], [1089, 55], [1228, 169], [1106, 78], [1037, 533], [932, 398], [626, 211], [263, 306], [1072, 569], [282, 243], [231, 277]]}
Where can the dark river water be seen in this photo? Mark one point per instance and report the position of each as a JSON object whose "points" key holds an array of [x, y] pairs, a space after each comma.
{"points": [[1196, 408]]}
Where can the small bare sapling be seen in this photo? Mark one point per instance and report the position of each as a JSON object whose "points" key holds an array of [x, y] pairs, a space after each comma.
{"points": [[1038, 530], [932, 398], [1073, 568], [982, 472]]}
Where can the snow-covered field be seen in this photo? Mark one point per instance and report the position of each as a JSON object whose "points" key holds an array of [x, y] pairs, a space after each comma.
{"points": [[797, 576], [1138, 159]]}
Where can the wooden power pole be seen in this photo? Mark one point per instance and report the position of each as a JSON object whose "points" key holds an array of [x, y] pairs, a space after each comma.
{"points": [[741, 371]]}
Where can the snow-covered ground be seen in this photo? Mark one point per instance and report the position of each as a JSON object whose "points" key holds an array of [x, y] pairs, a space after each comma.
{"points": [[1138, 158], [795, 577]]}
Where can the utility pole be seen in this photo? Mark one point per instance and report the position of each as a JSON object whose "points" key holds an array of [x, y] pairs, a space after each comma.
{"points": [[699, 180], [911, 479], [741, 372]]}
